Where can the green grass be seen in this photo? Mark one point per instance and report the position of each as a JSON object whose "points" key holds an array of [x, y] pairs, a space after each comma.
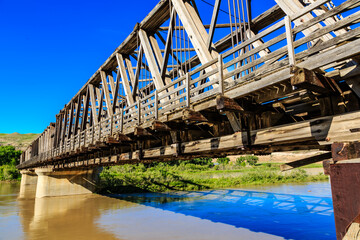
{"points": [[162, 177]]}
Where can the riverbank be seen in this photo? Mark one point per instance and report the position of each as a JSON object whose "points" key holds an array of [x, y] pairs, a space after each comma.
{"points": [[198, 175]]}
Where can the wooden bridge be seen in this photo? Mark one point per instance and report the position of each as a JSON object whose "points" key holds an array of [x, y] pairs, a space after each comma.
{"points": [[287, 79]]}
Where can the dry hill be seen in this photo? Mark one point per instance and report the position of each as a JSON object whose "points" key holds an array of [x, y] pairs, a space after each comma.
{"points": [[19, 141]]}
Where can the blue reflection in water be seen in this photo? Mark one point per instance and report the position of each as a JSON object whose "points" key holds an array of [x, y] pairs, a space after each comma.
{"points": [[291, 211]]}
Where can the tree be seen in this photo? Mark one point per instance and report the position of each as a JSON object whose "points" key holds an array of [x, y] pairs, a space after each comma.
{"points": [[9, 156]]}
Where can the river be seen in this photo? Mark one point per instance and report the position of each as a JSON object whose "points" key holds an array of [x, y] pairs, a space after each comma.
{"points": [[288, 211]]}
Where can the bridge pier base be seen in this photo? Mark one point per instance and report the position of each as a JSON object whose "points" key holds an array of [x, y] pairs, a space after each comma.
{"points": [[28, 183], [344, 171], [62, 183]]}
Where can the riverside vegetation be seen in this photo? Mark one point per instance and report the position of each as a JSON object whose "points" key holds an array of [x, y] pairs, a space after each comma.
{"points": [[9, 158], [197, 174]]}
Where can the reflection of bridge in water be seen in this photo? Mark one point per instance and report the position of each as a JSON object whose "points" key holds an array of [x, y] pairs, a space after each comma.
{"points": [[185, 84], [286, 215], [227, 214]]}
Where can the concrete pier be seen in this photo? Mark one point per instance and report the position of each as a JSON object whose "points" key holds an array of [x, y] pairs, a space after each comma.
{"points": [[62, 183], [28, 183]]}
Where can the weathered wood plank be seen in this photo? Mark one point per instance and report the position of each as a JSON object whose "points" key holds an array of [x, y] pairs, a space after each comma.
{"points": [[305, 161]]}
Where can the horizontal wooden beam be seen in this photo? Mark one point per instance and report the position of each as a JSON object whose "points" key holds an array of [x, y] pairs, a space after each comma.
{"points": [[305, 161]]}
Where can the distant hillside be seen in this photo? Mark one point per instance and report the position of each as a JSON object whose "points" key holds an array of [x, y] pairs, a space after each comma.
{"points": [[19, 141]]}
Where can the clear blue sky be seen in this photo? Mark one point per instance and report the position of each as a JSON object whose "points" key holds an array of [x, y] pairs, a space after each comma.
{"points": [[49, 49]]}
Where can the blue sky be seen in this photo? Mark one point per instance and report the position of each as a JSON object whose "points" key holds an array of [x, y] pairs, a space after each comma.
{"points": [[49, 49]]}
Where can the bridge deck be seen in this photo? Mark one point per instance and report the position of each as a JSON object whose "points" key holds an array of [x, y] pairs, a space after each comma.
{"points": [[275, 84]]}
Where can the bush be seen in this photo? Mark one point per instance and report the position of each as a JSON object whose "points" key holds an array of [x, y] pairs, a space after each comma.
{"points": [[9, 172], [202, 161], [251, 160], [224, 160], [240, 161], [9, 156]]}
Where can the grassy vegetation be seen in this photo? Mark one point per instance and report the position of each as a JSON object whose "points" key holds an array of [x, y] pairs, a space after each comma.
{"points": [[9, 158], [198, 174], [19, 141]]}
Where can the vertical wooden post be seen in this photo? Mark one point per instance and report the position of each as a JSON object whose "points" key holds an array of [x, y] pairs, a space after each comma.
{"points": [[100, 129], [221, 74], [139, 111], [93, 133], [79, 139], [85, 133], [289, 39], [122, 120], [187, 90], [111, 126], [156, 105]]}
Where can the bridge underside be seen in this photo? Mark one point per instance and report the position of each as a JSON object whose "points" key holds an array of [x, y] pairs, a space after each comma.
{"points": [[287, 79]]}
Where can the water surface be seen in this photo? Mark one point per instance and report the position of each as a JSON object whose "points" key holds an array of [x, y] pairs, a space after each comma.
{"points": [[301, 211]]}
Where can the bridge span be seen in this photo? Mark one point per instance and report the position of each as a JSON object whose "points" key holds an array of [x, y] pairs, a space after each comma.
{"points": [[183, 85]]}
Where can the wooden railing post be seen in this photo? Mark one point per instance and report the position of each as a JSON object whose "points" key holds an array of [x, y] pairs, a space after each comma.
{"points": [[156, 105], [139, 111], [111, 125], [93, 133], [187, 90], [99, 130], [221, 74], [122, 120], [79, 134], [289, 39]]}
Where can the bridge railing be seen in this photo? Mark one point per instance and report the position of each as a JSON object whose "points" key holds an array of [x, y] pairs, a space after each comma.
{"points": [[280, 45]]}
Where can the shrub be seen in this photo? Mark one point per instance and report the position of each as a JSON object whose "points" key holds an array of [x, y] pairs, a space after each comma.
{"points": [[224, 160], [252, 160], [240, 161], [202, 161], [8, 155], [9, 172]]}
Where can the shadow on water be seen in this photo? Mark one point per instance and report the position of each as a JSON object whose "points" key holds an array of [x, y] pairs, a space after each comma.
{"points": [[288, 215]]}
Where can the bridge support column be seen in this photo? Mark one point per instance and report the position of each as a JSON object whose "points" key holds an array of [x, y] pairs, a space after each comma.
{"points": [[344, 171], [62, 183], [28, 183]]}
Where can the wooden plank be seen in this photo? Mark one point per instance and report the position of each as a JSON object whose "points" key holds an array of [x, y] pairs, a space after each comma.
{"points": [[159, 59], [137, 72], [145, 43], [305, 161], [116, 94], [224, 103], [93, 103], [130, 68], [159, 126], [168, 44], [124, 78], [234, 121], [65, 124], [213, 24], [139, 131], [85, 110], [101, 101], [71, 120], [195, 29], [77, 115], [289, 39], [105, 89], [192, 116]]}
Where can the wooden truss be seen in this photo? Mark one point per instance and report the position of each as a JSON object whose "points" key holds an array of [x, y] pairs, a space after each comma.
{"points": [[170, 90]]}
